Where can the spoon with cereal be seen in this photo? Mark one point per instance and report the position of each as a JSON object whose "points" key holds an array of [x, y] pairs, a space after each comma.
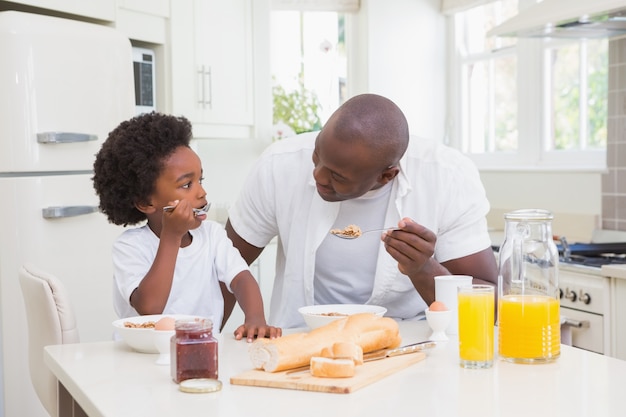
{"points": [[353, 231]]}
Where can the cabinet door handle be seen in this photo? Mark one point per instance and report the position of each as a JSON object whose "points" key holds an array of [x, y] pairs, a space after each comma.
{"points": [[202, 100], [59, 212], [64, 137], [205, 78], [210, 102]]}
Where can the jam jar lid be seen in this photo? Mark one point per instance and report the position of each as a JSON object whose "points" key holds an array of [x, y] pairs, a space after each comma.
{"points": [[200, 385]]}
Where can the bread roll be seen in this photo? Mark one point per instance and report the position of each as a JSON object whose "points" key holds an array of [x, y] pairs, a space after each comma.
{"points": [[367, 330], [344, 350], [327, 352], [332, 368]]}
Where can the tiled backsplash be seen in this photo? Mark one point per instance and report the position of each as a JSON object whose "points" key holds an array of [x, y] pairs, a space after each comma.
{"points": [[614, 181]]}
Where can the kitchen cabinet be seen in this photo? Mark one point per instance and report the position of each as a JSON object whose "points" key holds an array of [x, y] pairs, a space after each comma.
{"points": [[212, 66], [144, 20], [94, 9], [153, 7], [616, 273], [618, 295]]}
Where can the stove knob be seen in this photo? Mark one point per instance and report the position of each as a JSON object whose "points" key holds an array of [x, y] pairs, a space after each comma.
{"points": [[570, 295], [584, 297]]}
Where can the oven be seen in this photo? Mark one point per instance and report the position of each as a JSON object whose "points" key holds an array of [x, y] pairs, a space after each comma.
{"points": [[585, 298], [585, 293]]}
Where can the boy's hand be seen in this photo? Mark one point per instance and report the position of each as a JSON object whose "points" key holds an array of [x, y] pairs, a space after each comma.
{"points": [[179, 219], [259, 330]]}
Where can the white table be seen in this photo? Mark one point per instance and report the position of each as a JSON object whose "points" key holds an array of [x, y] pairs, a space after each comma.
{"points": [[108, 379]]}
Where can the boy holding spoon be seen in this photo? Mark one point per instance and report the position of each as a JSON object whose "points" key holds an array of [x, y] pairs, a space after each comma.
{"points": [[178, 262]]}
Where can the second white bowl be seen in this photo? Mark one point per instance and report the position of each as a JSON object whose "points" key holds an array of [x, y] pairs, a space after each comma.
{"points": [[322, 314]]}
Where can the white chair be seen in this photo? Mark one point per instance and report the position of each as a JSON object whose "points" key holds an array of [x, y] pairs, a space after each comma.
{"points": [[51, 321]]}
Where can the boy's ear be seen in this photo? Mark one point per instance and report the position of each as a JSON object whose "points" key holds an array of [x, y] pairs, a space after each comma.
{"points": [[145, 207]]}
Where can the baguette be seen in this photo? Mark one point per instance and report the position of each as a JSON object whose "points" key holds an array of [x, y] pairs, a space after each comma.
{"points": [[332, 368], [367, 330], [344, 350]]}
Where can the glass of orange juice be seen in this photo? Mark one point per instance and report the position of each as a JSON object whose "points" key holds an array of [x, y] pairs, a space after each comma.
{"points": [[476, 308], [529, 328]]}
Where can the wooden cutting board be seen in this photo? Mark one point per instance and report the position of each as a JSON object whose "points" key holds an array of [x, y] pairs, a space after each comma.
{"points": [[365, 374]]}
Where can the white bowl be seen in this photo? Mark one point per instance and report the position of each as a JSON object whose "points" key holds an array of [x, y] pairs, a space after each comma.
{"points": [[322, 314], [142, 339]]}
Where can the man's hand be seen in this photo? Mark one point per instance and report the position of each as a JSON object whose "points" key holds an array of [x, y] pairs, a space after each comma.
{"points": [[412, 246]]}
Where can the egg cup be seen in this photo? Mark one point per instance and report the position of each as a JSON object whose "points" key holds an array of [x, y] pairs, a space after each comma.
{"points": [[438, 322], [162, 340]]}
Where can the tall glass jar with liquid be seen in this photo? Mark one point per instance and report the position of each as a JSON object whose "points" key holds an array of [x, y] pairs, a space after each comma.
{"points": [[528, 289]]}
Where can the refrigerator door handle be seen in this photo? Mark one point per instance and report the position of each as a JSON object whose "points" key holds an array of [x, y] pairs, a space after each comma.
{"points": [[58, 212], [64, 137]]}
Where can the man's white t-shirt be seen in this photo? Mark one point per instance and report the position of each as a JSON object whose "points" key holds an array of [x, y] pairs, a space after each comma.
{"points": [[345, 268], [437, 186], [209, 259]]}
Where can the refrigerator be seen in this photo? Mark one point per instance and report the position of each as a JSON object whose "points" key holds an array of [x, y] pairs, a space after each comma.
{"points": [[64, 85]]}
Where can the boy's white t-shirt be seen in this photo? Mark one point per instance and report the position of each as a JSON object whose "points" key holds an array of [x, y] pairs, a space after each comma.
{"points": [[210, 258]]}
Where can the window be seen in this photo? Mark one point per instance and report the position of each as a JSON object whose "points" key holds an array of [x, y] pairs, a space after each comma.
{"points": [[577, 75], [488, 90], [309, 68], [527, 102]]}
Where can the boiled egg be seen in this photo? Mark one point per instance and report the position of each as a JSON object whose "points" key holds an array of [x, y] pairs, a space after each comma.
{"points": [[165, 323], [437, 306]]}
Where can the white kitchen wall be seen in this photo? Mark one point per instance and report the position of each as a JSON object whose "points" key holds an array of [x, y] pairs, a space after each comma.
{"points": [[402, 56], [574, 198], [226, 163]]}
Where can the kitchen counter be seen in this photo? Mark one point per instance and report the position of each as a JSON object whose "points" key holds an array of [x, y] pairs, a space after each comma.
{"points": [[614, 271], [108, 379], [581, 269]]}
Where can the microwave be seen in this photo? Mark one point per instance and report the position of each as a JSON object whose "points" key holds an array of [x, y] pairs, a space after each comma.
{"points": [[145, 82]]}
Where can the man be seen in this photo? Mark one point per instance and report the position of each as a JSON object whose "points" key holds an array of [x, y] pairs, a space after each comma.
{"points": [[362, 169]]}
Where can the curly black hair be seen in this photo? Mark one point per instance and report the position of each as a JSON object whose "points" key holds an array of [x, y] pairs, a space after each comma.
{"points": [[130, 161]]}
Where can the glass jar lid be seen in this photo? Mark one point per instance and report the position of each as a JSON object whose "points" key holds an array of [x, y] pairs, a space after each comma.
{"points": [[200, 385]]}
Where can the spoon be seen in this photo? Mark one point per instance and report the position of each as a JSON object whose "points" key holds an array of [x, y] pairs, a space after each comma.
{"points": [[352, 235], [196, 211]]}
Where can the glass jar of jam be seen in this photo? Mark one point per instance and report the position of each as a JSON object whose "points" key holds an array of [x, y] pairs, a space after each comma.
{"points": [[193, 350]]}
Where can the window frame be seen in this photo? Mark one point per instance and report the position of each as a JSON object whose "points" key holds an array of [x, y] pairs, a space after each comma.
{"points": [[533, 93]]}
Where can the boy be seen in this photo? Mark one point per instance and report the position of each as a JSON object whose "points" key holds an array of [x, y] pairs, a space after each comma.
{"points": [[176, 263]]}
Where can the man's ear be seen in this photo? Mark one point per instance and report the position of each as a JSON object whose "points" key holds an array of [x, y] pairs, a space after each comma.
{"points": [[388, 174], [145, 207]]}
